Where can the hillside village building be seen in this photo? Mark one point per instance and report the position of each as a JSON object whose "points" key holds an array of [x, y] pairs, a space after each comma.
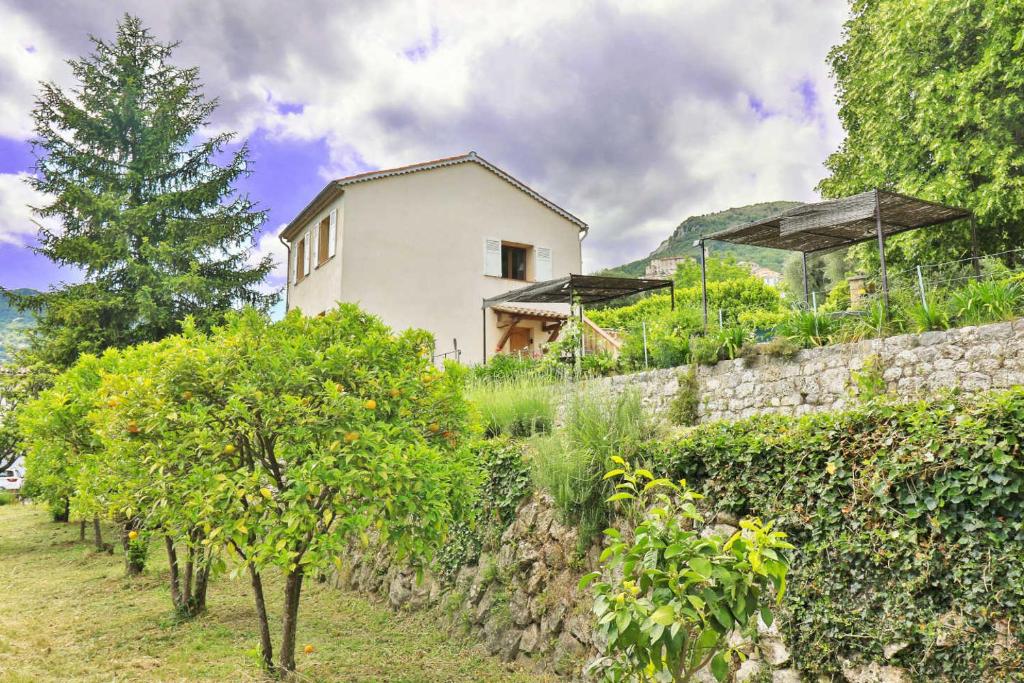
{"points": [[422, 246]]}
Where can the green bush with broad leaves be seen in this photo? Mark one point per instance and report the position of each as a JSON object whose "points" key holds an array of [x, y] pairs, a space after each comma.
{"points": [[909, 524], [668, 597]]}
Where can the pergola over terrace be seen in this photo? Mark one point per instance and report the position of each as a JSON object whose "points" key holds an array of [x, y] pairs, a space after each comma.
{"points": [[837, 223], [575, 289]]}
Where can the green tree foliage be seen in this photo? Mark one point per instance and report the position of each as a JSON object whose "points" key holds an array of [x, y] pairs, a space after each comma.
{"points": [[147, 213], [281, 443], [670, 596], [909, 525], [930, 97]]}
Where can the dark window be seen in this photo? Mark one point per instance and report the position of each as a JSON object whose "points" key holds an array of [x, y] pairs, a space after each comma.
{"points": [[323, 250], [513, 262]]}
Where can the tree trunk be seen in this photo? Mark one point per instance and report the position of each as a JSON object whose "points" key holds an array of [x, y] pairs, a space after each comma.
{"points": [[134, 553], [198, 605], [60, 514], [292, 591], [172, 562], [186, 590], [266, 647], [81, 530], [97, 534]]}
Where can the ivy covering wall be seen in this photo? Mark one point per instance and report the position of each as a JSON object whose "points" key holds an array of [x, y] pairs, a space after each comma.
{"points": [[909, 524]]}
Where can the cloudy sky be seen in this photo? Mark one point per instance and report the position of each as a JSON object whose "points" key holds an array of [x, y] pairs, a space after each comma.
{"points": [[632, 115]]}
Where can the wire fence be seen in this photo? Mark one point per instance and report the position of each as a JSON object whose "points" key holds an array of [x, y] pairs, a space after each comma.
{"points": [[921, 282]]}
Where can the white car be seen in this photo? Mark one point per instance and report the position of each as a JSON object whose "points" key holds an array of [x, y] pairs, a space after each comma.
{"points": [[12, 479]]}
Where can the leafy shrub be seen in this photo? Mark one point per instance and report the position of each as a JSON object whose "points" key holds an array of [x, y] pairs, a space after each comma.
{"points": [[705, 350], [668, 597], [904, 514], [683, 408], [6, 498], [598, 365], [520, 407], [570, 465], [869, 380]]}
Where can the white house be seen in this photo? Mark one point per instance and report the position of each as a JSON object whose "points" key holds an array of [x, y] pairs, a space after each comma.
{"points": [[423, 245]]}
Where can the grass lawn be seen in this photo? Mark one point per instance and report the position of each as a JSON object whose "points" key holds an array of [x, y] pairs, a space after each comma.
{"points": [[68, 613]]}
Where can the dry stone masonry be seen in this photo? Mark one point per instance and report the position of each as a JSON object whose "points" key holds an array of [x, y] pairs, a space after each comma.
{"points": [[972, 359]]}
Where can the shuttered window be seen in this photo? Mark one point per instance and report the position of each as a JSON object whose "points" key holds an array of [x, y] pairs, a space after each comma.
{"points": [[542, 265], [306, 252], [332, 237], [300, 260], [324, 242], [492, 257]]}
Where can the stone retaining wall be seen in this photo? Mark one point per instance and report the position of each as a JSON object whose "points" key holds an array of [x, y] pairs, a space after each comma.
{"points": [[969, 358]]}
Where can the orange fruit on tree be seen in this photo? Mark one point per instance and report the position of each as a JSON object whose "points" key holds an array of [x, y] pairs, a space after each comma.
{"points": [[229, 448], [434, 427], [370, 405], [309, 649], [132, 535], [133, 427], [395, 393], [351, 437], [187, 395]]}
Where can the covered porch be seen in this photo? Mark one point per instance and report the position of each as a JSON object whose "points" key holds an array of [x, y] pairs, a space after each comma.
{"points": [[526, 330]]}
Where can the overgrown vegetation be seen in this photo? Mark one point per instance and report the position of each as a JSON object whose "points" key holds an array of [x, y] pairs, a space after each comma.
{"points": [[517, 405], [683, 408], [909, 520], [570, 464], [505, 482]]}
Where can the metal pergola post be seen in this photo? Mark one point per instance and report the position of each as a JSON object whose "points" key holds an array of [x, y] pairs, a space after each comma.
{"points": [[703, 283], [483, 312], [974, 247], [881, 256], [807, 295]]}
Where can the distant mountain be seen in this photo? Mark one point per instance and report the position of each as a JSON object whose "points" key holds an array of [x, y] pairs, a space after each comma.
{"points": [[680, 242], [14, 325]]}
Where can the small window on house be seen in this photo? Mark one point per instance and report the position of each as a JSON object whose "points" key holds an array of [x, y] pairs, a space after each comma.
{"points": [[324, 237], [513, 262], [300, 260]]}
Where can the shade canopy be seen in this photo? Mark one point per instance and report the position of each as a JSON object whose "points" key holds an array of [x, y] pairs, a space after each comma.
{"points": [[586, 289], [837, 223]]}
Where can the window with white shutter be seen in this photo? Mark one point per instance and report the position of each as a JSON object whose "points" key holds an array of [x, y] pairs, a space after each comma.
{"points": [[492, 257], [542, 264], [305, 268], [332, 236], [295, 262], [314, 248]]}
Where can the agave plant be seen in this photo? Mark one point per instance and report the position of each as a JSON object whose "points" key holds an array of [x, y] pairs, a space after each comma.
{"points": [[808, 328], [987, 301], [928, 315]]}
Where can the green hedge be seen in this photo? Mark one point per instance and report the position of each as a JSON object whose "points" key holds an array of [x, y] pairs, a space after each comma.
{"points": [[902, 514]]}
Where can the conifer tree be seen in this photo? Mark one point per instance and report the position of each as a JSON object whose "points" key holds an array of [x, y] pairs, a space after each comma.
{"points": [[146, 201]]}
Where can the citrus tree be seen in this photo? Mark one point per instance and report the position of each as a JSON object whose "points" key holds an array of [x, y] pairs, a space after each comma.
{"points": [[152, 470], [55, 431], [668, 596], [307, 434]]}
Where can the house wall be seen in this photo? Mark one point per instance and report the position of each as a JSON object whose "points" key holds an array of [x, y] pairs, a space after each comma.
{"points": [[321, 289], [411, 250]]}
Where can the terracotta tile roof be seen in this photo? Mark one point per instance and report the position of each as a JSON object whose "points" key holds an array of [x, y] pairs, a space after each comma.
{"points": [[530, 312]]}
